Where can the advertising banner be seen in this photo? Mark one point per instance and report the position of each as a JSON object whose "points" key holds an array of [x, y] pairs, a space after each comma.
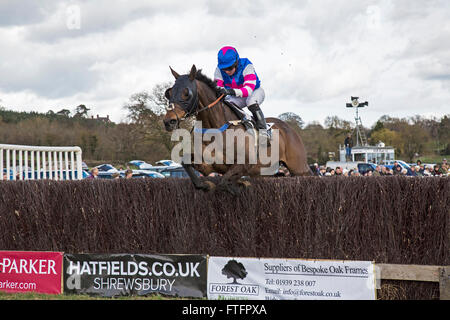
{"points": [[290, 279], [31, 271], [111, 275]]}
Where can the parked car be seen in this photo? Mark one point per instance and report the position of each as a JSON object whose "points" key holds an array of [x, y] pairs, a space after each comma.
{"points": [[105, 175], [177, 172], [169, 163], [141, 165], [147, 174], [84, 166], [136, 174], [162, 168], [135, 163], [390, 164], [106, 168], [365, 167], [84, 174]]}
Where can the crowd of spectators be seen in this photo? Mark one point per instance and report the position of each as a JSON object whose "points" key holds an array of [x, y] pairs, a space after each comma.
{"points": [[417, 170]]}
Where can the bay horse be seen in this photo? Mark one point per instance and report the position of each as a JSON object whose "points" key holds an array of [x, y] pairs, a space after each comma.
{"points": [[195, 95]]}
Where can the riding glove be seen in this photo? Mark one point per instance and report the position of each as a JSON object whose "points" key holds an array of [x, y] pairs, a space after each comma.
{"points": [[227, 92]]}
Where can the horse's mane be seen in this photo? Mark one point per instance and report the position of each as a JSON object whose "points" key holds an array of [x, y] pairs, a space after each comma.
{"points": [[210, 83]]}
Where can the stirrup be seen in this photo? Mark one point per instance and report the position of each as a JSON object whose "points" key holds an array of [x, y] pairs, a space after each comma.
{"points": [[264, 137], [247, 124]]}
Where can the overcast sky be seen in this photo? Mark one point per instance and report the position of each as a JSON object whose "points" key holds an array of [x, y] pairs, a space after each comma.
{"points": [[311, 56]]}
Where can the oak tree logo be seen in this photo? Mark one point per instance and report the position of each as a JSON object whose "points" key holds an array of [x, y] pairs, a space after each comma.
{"points": [[235, 270]]}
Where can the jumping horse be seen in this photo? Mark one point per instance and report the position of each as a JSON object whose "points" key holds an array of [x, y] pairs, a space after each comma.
{"points": [[195, 95]]}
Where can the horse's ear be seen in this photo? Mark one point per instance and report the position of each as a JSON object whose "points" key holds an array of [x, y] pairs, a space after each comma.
{"points": [[193, 73], [167, 93], [175, 74]]}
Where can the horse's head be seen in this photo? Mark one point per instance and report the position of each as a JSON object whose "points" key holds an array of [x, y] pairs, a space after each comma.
{"points": [[183, 99]]}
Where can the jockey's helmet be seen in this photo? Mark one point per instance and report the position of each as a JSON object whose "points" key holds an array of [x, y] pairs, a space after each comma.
{"points": [[227, 57]]}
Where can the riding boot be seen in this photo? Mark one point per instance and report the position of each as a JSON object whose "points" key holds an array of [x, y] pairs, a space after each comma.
{"points": [[260, 123], [241, 115]]}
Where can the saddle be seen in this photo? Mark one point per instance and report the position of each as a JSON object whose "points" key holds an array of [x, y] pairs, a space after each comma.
{"points": [[247, 120]]}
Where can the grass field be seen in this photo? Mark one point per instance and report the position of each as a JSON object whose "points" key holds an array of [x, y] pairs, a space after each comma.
{"points": [[432, 158]]}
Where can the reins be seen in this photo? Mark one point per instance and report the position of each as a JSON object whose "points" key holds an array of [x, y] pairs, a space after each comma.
{"points": [[212, 104]]}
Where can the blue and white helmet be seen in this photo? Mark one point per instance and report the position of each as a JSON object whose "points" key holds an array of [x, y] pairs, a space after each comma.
{"points": [[226, 57]]}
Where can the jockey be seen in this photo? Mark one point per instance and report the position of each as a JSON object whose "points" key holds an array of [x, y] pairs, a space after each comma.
{"points": [[239, 82]]}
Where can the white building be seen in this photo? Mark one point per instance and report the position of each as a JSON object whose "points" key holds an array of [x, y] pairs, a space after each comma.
{"points": [[378, 154]]}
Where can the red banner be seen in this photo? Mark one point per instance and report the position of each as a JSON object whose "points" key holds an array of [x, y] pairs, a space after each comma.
{"points": [[25, 271]]}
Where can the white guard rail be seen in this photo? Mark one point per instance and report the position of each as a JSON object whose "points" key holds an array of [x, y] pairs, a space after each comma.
{"points": [[35, 162]]}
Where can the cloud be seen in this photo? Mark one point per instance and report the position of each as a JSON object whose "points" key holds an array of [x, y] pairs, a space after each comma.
{"points": [[44, 70], [24, 12], [311, 56], [75, 19]]}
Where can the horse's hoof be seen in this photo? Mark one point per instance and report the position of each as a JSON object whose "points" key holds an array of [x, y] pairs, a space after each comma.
{"points": [[244, 183], [230, 187], [208, 186]]}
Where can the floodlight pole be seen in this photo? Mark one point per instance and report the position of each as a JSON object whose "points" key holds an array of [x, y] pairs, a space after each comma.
{"points": [[358, 133], [360, 136]]}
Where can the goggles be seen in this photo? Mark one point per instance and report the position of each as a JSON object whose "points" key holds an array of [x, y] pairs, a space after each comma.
{"points": [[234, 65]]}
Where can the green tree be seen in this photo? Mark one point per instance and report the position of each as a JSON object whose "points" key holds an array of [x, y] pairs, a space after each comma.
{"points": [[64, 113], [444, 134], [292, 119], [378, 126], [389, 137], [414, 138], [334, 122], [81, 111], [145, 114], [317, 142]]}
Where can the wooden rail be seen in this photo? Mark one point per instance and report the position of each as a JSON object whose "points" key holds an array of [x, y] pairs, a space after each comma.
{"points": [[406, 272]]}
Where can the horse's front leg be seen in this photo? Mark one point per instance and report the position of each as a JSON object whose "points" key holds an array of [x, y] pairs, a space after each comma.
{"points": [[233, 178], [198, 183]]}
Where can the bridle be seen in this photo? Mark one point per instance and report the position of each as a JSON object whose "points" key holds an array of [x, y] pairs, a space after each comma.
{"points": [[193, 110], [189, 105], [212, 104]]}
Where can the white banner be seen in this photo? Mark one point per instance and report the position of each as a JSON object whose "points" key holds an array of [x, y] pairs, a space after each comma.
{"points": [[290, 279]]}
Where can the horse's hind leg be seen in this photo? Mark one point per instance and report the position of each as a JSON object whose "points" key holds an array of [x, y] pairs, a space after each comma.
{"points": [[283, 170], [243, 182]]}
